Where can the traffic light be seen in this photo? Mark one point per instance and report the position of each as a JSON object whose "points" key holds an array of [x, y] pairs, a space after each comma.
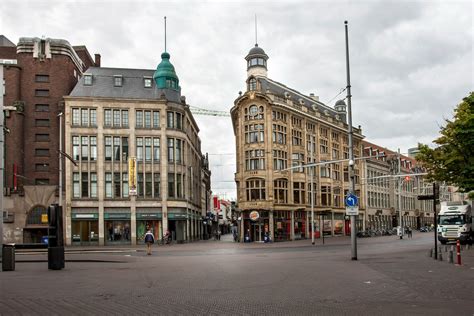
{"points": [[436, 191]]}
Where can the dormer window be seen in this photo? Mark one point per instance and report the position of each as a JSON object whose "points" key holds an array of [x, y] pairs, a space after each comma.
{"points": [[118, 81], [88, 80], [147, 82], [252, 84], [256, 61]]}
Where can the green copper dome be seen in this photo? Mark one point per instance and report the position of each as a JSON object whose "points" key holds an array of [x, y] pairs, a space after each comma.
{"points": [[165, 76]]}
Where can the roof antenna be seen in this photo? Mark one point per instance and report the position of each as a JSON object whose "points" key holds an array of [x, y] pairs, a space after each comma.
{"points": [[165, 34], [256, 42]]}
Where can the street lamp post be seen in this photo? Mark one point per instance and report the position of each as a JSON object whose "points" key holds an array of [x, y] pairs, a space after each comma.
{"points": [[312, 192], [400, 218], [60, 158], [351, 150]]}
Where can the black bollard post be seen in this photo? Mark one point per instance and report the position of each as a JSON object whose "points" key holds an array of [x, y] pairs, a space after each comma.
{"points": [[451, 256]]}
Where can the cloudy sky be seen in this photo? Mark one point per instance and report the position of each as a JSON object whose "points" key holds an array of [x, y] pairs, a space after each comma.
{"points": [[411, 61]]}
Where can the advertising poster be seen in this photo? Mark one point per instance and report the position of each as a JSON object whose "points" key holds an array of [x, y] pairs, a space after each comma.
{"points": [[132, 176]]}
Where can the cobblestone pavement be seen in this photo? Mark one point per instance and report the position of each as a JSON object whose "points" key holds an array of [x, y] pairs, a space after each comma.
{"points": [[391, 277]]}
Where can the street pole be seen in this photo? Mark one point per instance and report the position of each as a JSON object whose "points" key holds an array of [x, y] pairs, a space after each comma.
{"points": [[400, 194], [351, 150], [435, 221], [2, 158], [60, 158], [312, 192]]}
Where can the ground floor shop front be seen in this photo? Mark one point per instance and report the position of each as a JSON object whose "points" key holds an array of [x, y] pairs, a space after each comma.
{"points": [[286, 225], [121, 226]]}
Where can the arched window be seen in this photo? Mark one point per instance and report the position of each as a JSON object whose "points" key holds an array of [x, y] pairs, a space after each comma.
{"points": [[255, 189], [252, 84], [34, 215]]}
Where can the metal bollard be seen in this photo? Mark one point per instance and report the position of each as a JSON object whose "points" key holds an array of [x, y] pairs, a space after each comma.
{"points": [[430, 253], [445, 248], [440, 256], [458, 250], [439, 249], [451, 256]]}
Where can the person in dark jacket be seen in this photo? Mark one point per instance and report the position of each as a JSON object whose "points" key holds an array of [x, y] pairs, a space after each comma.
{"points": [[149, 240]]}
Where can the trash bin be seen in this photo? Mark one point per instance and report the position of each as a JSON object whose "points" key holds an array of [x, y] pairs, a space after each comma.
{"points": [[8, 257]]}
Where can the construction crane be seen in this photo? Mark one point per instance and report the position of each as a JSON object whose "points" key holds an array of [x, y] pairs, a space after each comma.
{"points": [[200, 111]]}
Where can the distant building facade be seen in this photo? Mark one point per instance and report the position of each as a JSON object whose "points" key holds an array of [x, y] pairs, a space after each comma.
{"points": [[37, 74], [275, 128], [138, 156], [381, 185]]}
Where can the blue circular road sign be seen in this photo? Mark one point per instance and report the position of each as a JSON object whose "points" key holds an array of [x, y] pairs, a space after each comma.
{"points": [[351, 200]]}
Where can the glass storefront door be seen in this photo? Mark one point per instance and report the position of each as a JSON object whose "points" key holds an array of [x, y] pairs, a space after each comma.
{"points": [[85, 233]]}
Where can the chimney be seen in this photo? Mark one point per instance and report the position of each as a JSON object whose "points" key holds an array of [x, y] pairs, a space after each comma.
{"points": [[314, 97], [97, 60]]}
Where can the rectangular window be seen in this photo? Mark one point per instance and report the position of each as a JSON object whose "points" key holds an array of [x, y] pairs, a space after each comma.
{"points": [[117, 148], [41, 167], [124, 149], [156, 185], [87, 80], [84, 148], [42, 122], [42, 107], [139, 149], [108, 185], [42, 152], [117, 185], [41, 181], [170, 120], [84, 117], [179, 191], [76, 118], [147, 119], [85, 185], [140, 184], [41, 78], [179, 121], [148, 185], [75, 147], [156, 149], [125, 185], [42, 93], [93, 185], [42, 137], [156, 119], [147, 82], [139, 118], [171, 185], [124, 118], [76, 186], [117, 81], [147, 149], [93, 117], [116, 118], [170, 149], [93, 148], [178, 151], [108, 148], [107, 117]]}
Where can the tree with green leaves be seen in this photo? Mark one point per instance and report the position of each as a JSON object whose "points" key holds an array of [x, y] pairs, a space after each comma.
{"points": [[452, 160]]}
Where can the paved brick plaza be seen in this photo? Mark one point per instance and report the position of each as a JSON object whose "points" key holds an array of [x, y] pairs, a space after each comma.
{"points": [[391, 277]]}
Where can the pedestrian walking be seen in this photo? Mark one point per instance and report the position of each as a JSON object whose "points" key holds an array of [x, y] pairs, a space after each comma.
{"points": [[218, 234], [149, 240], [410, 232]]}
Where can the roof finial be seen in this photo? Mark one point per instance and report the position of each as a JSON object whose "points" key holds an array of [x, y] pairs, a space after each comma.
{"points": [[165, 34], [256, 42]]}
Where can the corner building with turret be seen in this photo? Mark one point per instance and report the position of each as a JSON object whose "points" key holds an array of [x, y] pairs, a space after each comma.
{"points": [[136, 158], [277, 128]]}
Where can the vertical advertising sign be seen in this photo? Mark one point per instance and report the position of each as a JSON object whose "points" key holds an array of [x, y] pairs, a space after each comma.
{"points": [[132, 176]]}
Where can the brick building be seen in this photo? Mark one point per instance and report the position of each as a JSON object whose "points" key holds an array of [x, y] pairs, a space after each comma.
{"points": [[37, 74]]}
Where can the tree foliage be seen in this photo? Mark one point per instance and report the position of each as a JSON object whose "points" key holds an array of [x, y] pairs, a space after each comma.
{"points": [[452, 160]]}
